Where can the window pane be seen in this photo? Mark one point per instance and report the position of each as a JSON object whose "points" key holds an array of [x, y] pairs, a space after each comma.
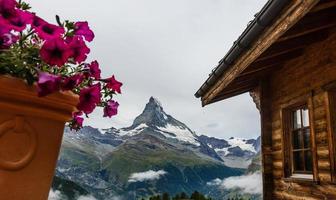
{"points": [[297, 160], [297, 140], [306, 138], [305, 117], [296, 119], [308, 160]]}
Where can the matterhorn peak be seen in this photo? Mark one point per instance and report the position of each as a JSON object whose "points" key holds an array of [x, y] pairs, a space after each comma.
{"points": [[152, 115], [155, 101]]}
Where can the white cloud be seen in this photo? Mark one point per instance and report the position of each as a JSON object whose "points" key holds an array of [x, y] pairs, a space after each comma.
{"points": [[148, 175], [251, 183], [55, 195], [89, 197], [117, 198]]}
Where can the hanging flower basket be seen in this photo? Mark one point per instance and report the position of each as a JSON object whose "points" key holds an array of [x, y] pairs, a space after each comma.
{"points": [[45, 84]]}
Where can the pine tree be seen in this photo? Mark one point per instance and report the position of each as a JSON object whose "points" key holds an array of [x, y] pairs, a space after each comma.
{"points": [[165, 196], [177, 197], [184, 196]]}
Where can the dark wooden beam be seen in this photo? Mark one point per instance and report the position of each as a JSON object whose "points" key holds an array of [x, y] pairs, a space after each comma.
{"points": [[286, 46], [266, 138], [323, 5], [260, 71], [232, 93], [311, 23], [277, 59]]}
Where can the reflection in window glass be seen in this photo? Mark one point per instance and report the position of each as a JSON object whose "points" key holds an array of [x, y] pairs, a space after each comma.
{"points": [[301, 147], [297, 119], [308, 160], [306, 138], [298, 165], [296, 140], [305, 117]]}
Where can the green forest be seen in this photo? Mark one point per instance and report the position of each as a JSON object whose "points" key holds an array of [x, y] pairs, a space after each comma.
{"points": [[182, 196]]}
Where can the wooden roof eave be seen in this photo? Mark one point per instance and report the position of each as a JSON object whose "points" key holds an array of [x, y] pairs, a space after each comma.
{"points": [[284, 22]]}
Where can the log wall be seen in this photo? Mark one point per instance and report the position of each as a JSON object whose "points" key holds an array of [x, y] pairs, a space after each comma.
{"points": [[303, 77]]}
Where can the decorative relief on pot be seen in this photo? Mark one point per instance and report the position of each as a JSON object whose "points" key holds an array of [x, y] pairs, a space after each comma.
{"points": [[18, 143]]}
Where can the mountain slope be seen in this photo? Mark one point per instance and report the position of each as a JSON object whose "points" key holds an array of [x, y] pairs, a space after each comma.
{"points": [[102, 161]]}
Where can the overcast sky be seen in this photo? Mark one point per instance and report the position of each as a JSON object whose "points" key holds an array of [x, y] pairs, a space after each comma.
{"points": [[165, 49]]}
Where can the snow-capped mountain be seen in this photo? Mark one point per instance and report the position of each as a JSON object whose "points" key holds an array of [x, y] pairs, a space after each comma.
{"points": [[101, 160], [154, 117], [235, 152]]}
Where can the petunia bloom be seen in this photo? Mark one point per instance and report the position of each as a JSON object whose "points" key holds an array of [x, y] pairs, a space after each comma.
{"points": [[94, 69], [7, 8], [113, 84], [20, 20], [47, 31], [111, 108], [83, 29], [89, 97], [78, 48], [37, 21], [71, 82], [77, 121], [55, 52], [7, 39], [47, 84]]}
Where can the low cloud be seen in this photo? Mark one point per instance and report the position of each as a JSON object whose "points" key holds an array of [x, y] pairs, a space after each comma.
{"points": [[146, 176], [57, 195], [251, 183], [89, 197]]}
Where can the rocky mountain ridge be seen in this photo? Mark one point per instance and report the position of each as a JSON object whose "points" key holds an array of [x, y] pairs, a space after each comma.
{"points": [[102, 161]]}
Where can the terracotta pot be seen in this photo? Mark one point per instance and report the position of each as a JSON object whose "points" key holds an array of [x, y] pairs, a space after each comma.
{"points": [[31, 130]]}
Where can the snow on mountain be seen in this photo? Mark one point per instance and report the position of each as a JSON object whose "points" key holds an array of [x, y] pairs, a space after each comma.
{"points": [[235, 152], [179, 133], [132, 132], [237, 142], [155, 118]]}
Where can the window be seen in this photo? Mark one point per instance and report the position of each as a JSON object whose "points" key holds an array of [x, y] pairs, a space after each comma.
{"points": [[301, 153]]}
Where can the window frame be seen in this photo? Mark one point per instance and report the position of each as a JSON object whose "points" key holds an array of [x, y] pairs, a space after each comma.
{"points": [[331, 120], [301, 138], [286, 125]]}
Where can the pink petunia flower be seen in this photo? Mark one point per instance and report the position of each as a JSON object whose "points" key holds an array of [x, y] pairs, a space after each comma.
{"points": [[55, 52], [37, 21], [19, 20], [77, 121], [72, 81], [94, 69], [47, 31], [7, 39], [7, 8], [83, 29], [111, 108], [113, 84], [79, 50], [47, 84], [89, 97]]}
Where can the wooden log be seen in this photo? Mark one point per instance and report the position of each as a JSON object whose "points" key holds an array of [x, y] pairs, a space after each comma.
{"points": [[324, 164], [320, 113], [323, 152]]}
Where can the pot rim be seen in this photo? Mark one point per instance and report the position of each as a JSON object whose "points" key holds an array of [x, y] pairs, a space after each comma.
{"points": [[15, 91]]}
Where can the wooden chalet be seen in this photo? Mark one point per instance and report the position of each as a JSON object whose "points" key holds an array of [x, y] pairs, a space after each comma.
{"points": [[286, 59]]}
